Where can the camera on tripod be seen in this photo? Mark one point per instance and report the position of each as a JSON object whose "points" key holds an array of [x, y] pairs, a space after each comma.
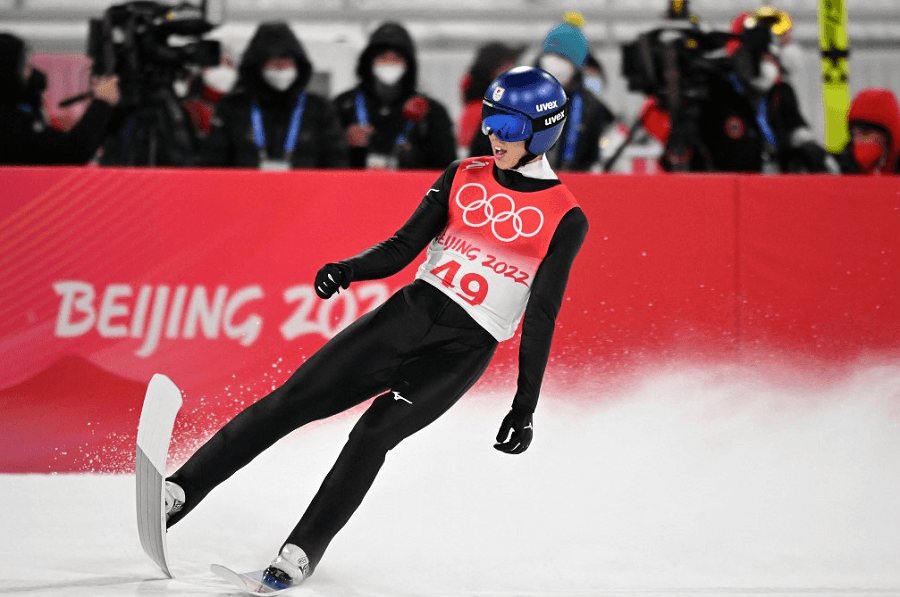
{"points": [[149, 44], [682, 66], [676, 63]]}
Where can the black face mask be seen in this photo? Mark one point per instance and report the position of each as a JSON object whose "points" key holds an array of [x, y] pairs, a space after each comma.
{"points": [[34, 87]]}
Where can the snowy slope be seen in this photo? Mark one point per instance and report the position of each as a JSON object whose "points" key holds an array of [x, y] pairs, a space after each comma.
{"points": [[709, 482]]}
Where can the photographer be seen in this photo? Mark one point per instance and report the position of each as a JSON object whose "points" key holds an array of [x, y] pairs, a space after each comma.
{"points": [[750, 116], [26, 137], [788, 141], [151, 126]]}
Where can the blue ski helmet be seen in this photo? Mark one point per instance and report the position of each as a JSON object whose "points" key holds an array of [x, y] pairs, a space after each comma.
{"points": [[525, 104]]}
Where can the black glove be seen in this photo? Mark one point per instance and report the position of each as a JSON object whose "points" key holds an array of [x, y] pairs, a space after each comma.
{"points": [[331, 278], [515, 433], [812, 157]]}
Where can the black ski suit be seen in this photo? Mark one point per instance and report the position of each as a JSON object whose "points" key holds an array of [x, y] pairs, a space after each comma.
{"points": [[420, 347]]}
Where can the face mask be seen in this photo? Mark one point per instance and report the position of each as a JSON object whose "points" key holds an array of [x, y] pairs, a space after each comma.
{"points": [[561, 69], [389, 73], [593, 83], [769, 73], [221, 78], [868, 154], [180, 87], [280, 78]]}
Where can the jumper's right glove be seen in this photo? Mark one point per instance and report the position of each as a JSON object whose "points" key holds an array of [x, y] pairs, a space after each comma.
{"points": [[331, 278], [516, 432]]}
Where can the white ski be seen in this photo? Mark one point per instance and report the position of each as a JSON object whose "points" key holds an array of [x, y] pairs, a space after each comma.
{"points": [[251, 583], [161, 405]]}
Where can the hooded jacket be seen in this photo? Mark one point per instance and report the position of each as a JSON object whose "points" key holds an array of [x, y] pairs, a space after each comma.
{"points": [[877, 108], [424, 142], [389, 36], [232, 139]]}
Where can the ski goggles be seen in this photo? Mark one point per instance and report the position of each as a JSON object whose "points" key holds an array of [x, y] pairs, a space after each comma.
{"points": [[503, 124], [511, 126]]}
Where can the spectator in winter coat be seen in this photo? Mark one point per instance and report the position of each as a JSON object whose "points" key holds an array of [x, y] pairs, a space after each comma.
{"points": [[387, 122], [788, 136], [757, 127], [25, 135], [564, 53], [874, 146], [269, 120]]}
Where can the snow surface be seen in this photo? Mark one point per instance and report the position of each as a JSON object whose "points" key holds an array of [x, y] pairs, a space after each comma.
{"points": [[689, 482]]}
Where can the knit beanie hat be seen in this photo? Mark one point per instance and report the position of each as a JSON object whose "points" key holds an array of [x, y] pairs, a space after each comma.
{"points": [[567, 40]]}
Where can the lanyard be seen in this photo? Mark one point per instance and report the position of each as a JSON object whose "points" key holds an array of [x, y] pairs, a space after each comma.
{"points": [[362, 113], [762, 112], [293, 132], [570, 143], [362, 117], [762, 118], [407, 129]]}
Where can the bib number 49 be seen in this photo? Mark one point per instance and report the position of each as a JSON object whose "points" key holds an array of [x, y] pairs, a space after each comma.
{"points": [[471, 287]]}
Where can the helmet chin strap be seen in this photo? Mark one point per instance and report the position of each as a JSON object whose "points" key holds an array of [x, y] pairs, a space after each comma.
{"points": [[525, 159]]}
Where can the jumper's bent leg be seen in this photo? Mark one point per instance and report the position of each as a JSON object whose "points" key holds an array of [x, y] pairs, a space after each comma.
{"points": [[433, 385]]}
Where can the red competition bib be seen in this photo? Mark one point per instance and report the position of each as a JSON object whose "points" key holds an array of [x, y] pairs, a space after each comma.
{"points": [[487, 256]]}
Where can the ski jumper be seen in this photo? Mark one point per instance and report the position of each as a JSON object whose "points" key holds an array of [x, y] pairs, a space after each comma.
{"points": [[499, 245]]}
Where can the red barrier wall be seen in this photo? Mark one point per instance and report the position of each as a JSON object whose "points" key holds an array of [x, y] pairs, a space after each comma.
{"points": [[820, 265], [107, 276]]}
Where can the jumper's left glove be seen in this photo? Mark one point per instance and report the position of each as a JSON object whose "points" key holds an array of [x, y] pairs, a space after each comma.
{"points": [[515, 433]]}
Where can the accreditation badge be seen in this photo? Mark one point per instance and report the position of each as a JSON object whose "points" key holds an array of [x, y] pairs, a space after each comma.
{"points": [[280, 165]]}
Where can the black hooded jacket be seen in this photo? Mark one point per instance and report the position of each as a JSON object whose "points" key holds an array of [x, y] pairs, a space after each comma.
{"points": [[427, 142], [231, 140], [25, 136]]}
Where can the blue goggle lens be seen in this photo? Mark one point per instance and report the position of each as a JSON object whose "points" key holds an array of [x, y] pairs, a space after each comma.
{"points": [[505, 126]]}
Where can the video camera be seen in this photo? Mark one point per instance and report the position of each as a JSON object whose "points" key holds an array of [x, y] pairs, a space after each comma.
{"points": [[679, 63], [149, 44], [686, 68]]}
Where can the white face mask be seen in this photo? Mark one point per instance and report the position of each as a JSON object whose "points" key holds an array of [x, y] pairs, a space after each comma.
{"points": [[280, 78], [561, 68], [180, 87], [221, 78], [595, 84], [769, 72], [388, 73]]}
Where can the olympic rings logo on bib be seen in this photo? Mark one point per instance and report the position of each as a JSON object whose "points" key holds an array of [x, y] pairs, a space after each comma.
{"points": [[507, 223]]}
